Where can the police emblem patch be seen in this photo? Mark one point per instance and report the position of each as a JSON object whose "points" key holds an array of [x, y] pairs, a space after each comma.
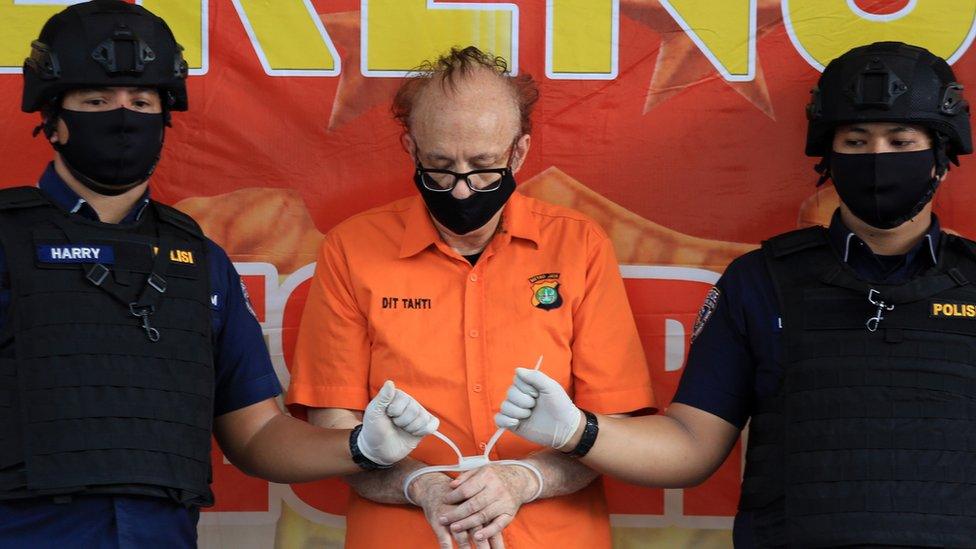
{"points": [[705, 313], [247, 301], [545, 291]]}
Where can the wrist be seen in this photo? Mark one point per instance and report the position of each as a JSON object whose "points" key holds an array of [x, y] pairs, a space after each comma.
{"points": [[528, 484], [577, 435], [425, 485], [587, 439], [360, 454]]}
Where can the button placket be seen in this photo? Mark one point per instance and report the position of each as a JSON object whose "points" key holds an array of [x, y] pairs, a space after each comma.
{"points": [[474, 303]]}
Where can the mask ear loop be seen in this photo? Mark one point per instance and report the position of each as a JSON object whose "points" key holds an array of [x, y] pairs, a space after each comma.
{"points": [[467, 463]]}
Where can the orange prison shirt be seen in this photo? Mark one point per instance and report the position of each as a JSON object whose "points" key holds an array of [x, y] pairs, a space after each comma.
{"points": [[390, 300]]}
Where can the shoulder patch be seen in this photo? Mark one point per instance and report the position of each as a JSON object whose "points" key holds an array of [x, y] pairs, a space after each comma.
{"points": [[706, 311], [247, 301]]}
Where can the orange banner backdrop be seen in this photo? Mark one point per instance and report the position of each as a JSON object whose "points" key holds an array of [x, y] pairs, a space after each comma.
{"points": [[677, 124]]}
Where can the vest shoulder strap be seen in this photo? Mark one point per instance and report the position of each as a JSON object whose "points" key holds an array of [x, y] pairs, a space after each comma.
{"points": [[178, 219], [794, 241], [22, 197], [965, 245]]}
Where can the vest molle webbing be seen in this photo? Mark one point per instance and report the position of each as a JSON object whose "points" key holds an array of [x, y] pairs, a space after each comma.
{"points": [[96, 405], [872, 436]]}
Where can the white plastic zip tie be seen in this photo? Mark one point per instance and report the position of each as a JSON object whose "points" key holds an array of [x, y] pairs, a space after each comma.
{"points": [[467, 463]]}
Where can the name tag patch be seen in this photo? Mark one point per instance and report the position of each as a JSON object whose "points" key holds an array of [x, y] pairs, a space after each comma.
{"points": [[178, 256], [79, 253], [951, 309]]}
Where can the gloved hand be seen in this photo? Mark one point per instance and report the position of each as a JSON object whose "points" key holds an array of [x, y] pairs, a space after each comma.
{"points": [[393, 425], [538, 409]]}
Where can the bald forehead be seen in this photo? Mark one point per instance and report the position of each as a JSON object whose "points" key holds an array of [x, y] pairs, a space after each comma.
{"points": [[479, 96]]}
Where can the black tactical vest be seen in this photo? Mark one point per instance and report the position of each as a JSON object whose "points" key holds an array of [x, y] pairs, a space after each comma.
{"points": [[871, 439], [106, 358]]}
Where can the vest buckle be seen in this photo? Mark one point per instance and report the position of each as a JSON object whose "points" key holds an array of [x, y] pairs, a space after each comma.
{"points": [[157, 282], [97, 274]]}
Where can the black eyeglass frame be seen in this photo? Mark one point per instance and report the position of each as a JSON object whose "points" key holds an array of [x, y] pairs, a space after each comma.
{"points": [[506, 171], [422, 171]]}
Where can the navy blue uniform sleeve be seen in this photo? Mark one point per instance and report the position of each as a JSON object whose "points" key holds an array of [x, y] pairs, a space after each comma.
{"points": [[244, 373], [738, 337]]}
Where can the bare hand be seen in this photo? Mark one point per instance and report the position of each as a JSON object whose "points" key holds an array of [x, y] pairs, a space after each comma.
{"points": [[487, 499], [430, 491]]}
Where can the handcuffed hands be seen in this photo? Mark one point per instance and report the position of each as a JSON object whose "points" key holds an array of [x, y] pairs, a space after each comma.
{"points": [[487, 499], [432, 492]]}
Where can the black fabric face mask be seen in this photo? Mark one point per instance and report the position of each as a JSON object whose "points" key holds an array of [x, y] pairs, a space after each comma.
{"points": [[111, 152], [884, 190], [468, 214]]}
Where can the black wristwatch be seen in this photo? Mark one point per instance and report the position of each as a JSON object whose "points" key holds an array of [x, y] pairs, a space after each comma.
{"points": [[357, 455], [588, 438]]}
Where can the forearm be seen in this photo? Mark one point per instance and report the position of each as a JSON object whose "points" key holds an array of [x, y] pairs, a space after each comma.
{"points": [[288, 450], [661, 450], [386, 485], [561, 474]]}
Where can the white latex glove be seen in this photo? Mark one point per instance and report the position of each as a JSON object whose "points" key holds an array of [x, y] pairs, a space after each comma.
{"points": [[538, 409], [393, 425]]}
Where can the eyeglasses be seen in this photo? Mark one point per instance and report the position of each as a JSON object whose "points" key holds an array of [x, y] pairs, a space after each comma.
{"points": [[484, 180], [479, 181]]}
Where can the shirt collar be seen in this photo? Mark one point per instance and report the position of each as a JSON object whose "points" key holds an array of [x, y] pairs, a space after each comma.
{"points": [[68, 200], [847, 243], [419, 232]]}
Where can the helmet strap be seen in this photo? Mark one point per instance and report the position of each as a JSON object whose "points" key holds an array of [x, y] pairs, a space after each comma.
{"points": [[823, 168], [50, 113]]}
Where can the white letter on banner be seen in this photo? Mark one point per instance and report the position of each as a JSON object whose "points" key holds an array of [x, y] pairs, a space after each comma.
{"points": [[398, 35], [822, 30], [23, 19], [582, 39], [724, 31], [289, 38]]}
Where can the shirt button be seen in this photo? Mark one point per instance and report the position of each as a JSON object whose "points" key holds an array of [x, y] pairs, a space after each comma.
{"points": [[473, 333], [482, 446], [473, 278], [477, 388]]}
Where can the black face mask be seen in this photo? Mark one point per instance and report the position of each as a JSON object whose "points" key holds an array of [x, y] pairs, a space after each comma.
{"points": [[465, 215], [884, 190], [111, 152]]}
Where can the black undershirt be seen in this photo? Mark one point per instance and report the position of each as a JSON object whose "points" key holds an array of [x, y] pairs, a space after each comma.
{"points": [[473, 258]]}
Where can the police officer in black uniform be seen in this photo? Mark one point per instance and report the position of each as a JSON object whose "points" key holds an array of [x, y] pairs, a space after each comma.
{"points": [[125, 335], [852, 348]]}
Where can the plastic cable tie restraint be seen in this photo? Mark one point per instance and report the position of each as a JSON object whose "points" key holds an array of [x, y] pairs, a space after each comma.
{"points": [[467, 463]]}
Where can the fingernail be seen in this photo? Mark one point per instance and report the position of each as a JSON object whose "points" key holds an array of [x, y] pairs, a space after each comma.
{"points": [[443, 520], [479, 537]]}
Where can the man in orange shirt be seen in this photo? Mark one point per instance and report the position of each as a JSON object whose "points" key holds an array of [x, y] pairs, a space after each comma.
{"points": [[449, 291]]}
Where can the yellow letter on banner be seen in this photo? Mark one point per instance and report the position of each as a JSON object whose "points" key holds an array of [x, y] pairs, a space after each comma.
{"points": [[288, 37], [725, 31], [821, 30], [189, 22], [398, 35], [582, 39], [21, 22]]}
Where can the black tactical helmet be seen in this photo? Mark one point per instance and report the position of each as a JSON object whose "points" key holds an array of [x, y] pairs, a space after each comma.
{"points": [[104, 43], [889, 82]]}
